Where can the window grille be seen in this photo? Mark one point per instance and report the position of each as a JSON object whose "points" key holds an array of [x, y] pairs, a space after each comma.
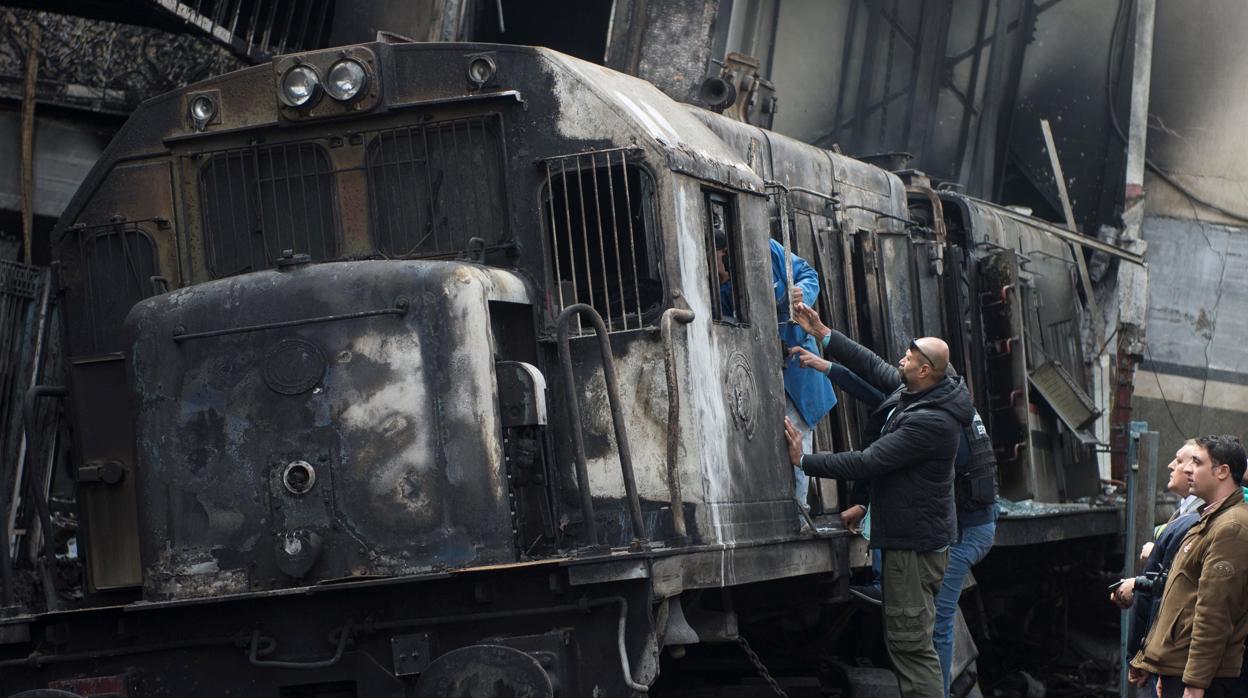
{"points": [[599, 210], [118, 263], [261, 200], [18, 279], [435, 187]]}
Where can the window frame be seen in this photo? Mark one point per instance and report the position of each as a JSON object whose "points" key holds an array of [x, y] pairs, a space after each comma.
{"points": [[729, 203], [650, 239], [371, 146], [332, 236]]}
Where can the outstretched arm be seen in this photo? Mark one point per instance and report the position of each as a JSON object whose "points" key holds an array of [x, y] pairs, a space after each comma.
{"points": [[909, 444], [840, 376], [862, 361]]}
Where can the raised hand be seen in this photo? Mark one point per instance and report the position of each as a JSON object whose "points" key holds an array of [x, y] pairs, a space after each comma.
{"points": [[794, 439], [810, 360], [806, 317]]}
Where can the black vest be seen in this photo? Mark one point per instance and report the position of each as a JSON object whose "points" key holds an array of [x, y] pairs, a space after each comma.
{"points": [[975, 477]]}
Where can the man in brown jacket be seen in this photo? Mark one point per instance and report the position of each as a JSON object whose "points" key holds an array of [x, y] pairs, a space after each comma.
{"points": [[1196, 643]]}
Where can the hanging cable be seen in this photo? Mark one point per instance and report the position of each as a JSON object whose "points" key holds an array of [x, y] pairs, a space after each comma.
{"points": [[1110, 83]]}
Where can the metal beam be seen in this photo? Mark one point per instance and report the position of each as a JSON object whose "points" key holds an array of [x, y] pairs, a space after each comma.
{"points": [[1084, 240]]}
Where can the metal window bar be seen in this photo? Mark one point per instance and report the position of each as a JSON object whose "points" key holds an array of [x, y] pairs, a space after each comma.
{"points": [[260, 200], [118, 261], [598, 219], [1062, 345], [434, 187]]}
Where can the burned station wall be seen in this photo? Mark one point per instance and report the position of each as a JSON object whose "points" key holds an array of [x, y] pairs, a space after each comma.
{"points": [[1195, 375], [1196, 109]]}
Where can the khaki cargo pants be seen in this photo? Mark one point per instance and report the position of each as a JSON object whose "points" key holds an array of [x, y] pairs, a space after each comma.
{"points": [[911, 580]]}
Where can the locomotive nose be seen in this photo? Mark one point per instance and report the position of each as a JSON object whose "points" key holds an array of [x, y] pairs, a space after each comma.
{"points": [[323, 422]]}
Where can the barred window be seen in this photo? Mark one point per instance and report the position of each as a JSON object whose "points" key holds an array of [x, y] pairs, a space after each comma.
{"points": [[259, 201], [599, 212], [119, 263], [435, 187]]}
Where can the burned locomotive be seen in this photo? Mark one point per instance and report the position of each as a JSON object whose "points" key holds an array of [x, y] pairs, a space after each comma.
{"points": [[406, 366]]}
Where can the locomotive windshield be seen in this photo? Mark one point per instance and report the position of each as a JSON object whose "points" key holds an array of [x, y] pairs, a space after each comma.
{"points": [[259, 201], [435, 187], [431, 190]]}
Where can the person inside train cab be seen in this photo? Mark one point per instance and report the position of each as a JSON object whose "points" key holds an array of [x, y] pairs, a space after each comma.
{"points": [[910, 466], [808, 395]]}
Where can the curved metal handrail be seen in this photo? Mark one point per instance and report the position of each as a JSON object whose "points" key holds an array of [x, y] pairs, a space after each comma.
{"points": [[617, 418]]}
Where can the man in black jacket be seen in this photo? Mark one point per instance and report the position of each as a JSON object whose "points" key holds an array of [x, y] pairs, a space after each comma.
{"points": [[910, 467]]}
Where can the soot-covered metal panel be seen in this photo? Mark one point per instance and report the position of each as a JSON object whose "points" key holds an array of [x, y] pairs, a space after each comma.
{"points": [[317, 422]]}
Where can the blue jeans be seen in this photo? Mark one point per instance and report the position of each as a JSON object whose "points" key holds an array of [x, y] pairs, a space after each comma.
{"points": [[973, 544]]}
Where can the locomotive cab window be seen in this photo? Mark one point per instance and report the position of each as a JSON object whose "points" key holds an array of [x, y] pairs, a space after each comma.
{"points": [[435, 188], [723, 258], [599, 213], [259, 201]]}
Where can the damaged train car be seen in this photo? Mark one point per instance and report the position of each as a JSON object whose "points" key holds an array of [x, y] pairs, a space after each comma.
{"points": [[399, 369]]}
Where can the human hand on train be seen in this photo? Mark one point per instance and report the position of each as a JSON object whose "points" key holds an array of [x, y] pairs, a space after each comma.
{"points": [[808, 319], [810, 360], [795, 295], [794, 439], [1123, 594], [1145, 551], [852, 518]]}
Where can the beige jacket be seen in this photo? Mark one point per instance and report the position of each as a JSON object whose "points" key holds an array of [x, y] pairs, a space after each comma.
{"points": [[1200, 628]]}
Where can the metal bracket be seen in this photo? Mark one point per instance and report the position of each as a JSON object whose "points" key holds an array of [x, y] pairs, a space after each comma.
{"points": [[411, 653], [109, 472]]}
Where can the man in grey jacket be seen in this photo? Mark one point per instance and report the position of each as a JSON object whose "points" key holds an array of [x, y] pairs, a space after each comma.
{"points": [[909, 464]]}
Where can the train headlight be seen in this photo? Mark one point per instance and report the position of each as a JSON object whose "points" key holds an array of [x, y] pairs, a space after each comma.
{"points": [[346, 80], [203, 108], [480, 70], [300, 86]]}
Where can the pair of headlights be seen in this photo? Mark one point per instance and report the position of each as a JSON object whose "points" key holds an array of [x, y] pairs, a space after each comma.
{"points": [[301, 84]]}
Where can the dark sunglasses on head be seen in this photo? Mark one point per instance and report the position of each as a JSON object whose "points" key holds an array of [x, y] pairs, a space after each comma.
{"points": [[914, 346]]}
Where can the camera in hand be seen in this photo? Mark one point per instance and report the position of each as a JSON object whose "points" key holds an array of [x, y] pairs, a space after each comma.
{"points": [[1150, 583]]}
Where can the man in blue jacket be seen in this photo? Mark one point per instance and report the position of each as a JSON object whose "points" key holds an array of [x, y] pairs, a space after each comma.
{"points": [[808, 394]]}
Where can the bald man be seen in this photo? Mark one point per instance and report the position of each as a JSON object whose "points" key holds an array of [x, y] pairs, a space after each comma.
{"points": [[910, 446]]}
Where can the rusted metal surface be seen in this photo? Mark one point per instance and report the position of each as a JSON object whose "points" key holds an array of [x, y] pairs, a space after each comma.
{"points": [[617, 420], [665, 43], [398, 477], [670, 317]]}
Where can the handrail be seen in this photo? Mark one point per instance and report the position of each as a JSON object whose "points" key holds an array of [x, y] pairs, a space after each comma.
{"points": [[670, 316], [617, 418], [35, 492]]}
